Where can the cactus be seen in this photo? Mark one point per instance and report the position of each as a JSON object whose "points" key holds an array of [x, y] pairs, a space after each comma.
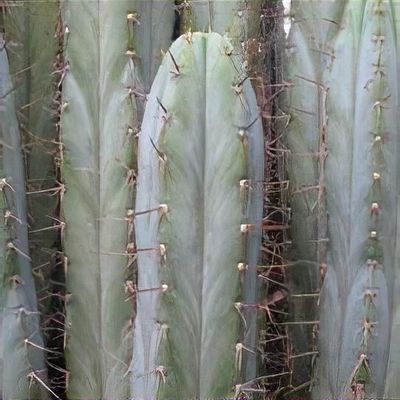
{"points": [[97, 127], [27, 28], [161, 295], [236, 18], [238, 21], [194, 151], [22, 367], [41, 138], [348, 65]]}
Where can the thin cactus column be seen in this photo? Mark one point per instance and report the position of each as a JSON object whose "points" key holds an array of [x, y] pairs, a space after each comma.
{"points": [[22, 367], [98, 123]]}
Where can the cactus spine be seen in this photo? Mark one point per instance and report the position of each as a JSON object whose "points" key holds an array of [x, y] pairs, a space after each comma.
{"points": [[193, 153]]}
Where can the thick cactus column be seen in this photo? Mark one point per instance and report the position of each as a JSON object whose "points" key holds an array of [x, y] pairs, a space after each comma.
{"points": [[200, 123], [98, 123]]}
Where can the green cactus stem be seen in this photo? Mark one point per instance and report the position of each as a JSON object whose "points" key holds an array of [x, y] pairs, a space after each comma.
{"points": [[22, 367], [28, 26], [349, 66], [200, 128], [239, 21], [98, 124]]}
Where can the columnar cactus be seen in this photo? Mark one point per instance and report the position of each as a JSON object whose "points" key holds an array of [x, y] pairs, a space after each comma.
{"points": [[348, 64], [200, 160], [238, 20], [161, 292], [22, 367], [31, 64], [98, 126]]}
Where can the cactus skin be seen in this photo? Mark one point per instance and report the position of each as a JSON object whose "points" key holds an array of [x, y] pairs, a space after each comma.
{"points": [[392, 384], [27, 28], [97, 124], [42, 138], [239, 21], [358, 100], [153, 36], [308, 222], [235, 18], [191, 329], [22, 367]]}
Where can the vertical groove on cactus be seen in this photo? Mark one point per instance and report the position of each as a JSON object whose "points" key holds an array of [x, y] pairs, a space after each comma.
{"points": [[153, 36], [41, 136], [193, 154], [361, 223], [98, 122], [392, 384], [236, 19], [268, 52], [23, 372]]}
